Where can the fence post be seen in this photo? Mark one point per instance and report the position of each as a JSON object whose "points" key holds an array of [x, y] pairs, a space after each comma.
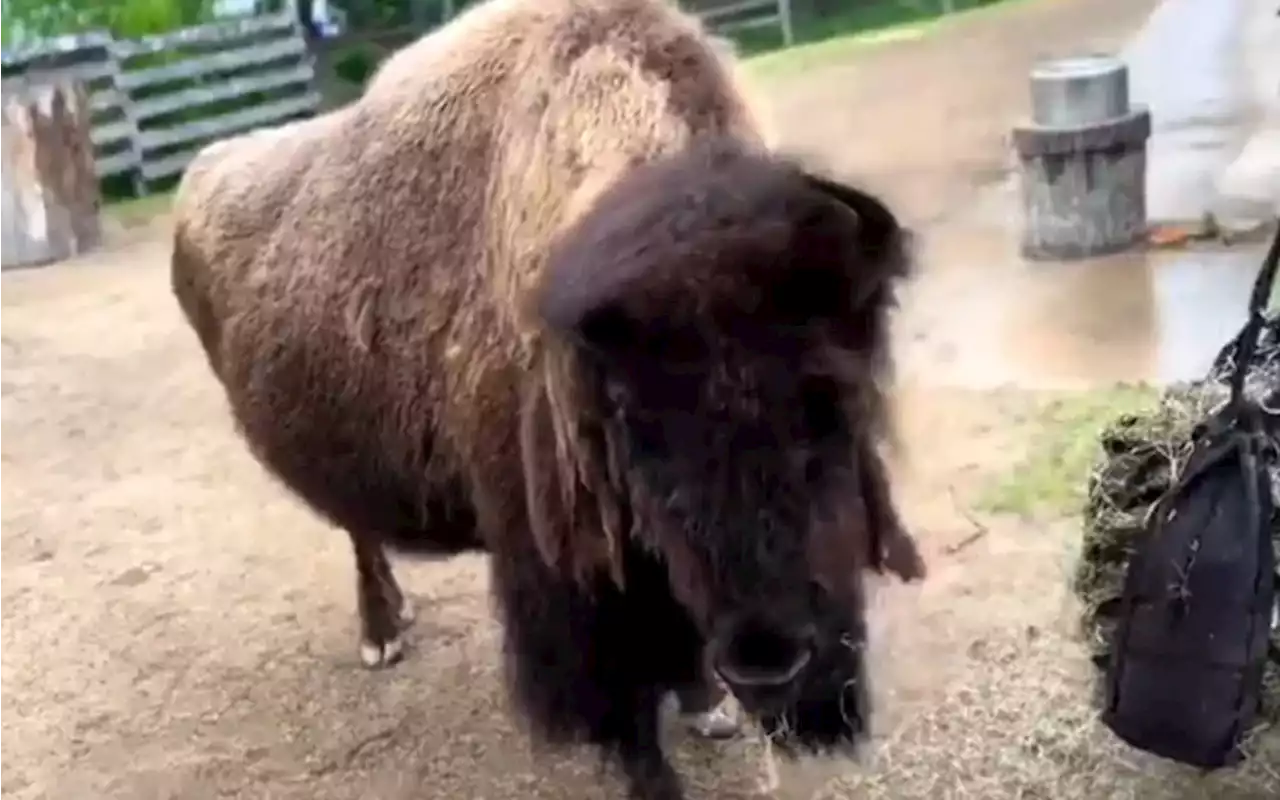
{"points": [[115, 68], [51, 199], [784, 15], [1083, 160]]}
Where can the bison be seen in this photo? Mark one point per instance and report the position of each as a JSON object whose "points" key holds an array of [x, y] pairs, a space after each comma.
{"points": [[546, 291]]}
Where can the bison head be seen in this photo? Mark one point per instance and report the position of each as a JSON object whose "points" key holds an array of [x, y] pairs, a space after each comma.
{"points": [[725, 316]]}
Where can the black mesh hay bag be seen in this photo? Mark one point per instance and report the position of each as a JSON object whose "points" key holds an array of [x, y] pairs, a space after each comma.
{"points": [[1190, 640]]}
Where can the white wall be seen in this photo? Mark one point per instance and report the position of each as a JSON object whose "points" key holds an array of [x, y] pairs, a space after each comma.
{"points": [[1254, 175]]}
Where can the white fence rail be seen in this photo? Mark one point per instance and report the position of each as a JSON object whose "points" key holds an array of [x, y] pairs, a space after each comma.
{"points": [[156, 101], [210, 68]]}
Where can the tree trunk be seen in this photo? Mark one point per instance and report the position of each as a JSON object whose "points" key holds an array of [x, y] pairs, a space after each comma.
{"points": [[51, 199]]}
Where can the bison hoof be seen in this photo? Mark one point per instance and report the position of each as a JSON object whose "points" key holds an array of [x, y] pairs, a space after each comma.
{"points": [[721, 722], [377, 656]]}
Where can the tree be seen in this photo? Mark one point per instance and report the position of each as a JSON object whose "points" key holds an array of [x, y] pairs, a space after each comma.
{"points": [[26, 20]]}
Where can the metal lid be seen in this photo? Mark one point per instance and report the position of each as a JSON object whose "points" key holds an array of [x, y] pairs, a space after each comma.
{"points": [[1078, 91]]}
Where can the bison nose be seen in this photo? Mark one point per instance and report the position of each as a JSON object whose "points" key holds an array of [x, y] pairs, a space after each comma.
{"points": [[757, 655]]}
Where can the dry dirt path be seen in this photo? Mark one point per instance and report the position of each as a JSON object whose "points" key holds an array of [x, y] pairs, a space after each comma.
{"points": [[176, 626]]}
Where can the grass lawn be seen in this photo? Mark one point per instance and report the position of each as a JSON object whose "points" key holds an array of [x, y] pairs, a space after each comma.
{"points": [[1061, 439], [837, 36]]}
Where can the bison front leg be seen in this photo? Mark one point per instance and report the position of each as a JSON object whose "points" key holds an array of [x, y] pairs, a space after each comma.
{"points": [[649, 774], [384, 610], [893, 548], [585, 663]]}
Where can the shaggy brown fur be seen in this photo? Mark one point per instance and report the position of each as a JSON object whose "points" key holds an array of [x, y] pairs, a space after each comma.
{"points": [[543, 291]]}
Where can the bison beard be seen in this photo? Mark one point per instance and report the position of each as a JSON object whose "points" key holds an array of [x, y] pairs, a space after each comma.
{"points": [[723, 313], [543, 291]]}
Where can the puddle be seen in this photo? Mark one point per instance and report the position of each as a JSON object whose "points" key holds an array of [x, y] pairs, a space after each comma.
{"points": [[981, 317]]}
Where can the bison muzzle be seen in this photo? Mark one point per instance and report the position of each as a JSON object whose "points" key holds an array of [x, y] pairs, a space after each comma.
{"points": [[722, 311]]}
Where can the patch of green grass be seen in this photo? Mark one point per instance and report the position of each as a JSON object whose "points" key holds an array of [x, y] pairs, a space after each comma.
{"points": [[835, 36], [805, 56], [1061, 437]]}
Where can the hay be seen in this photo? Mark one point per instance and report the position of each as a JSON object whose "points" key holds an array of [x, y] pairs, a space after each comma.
{"points": [[1140, 455]]}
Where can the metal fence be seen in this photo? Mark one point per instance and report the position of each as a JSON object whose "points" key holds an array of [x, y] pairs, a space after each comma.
{"points": [[156, 101]]}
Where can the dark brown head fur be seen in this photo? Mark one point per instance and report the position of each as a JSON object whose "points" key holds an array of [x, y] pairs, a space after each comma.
{"points": [[727, 315]]}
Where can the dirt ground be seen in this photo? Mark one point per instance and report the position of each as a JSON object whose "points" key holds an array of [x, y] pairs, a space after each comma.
{"points": [[176, 626]]}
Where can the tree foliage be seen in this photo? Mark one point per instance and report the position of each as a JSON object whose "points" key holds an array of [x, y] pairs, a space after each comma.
{"points": [[26, 20]]}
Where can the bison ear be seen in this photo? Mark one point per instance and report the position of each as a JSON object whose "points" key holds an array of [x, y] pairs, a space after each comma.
{"points": [[880, 243]]}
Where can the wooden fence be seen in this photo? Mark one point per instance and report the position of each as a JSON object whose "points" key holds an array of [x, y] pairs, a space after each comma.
{"points": [[156, 101]]}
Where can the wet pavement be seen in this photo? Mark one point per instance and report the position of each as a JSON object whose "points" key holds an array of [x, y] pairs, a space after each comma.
{"points": [[1157, 316], [980, 316]]}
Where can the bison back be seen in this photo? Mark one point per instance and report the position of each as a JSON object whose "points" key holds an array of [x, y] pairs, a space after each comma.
{"points": [[360, 279]]}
